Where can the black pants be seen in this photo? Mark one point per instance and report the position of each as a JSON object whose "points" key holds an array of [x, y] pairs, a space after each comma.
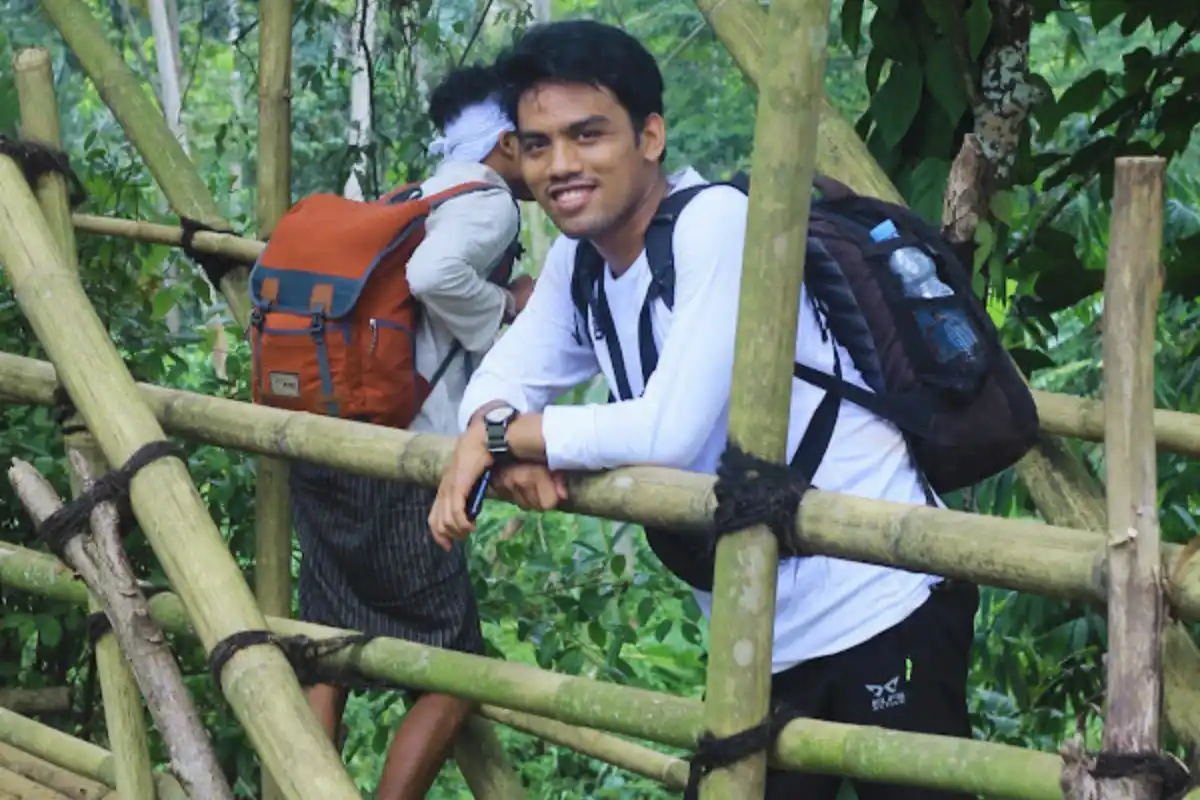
{"points": [[911, 677]]}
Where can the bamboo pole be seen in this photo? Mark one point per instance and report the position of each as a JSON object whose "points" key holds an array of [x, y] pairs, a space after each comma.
{"points": [[951, 763], [272, 509], [258, 681], [61, 749], [124, 720], [47, 700], [223, 244], [1018, 554], [1058, 414], [1132, 287], [742, 26], [741, 631], [483, 764], [50, 775], [668, 770], [132, 104], [14, 786]]}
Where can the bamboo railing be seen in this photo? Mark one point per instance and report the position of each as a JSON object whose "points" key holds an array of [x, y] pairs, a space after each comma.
{"points": [[1129, 570]]}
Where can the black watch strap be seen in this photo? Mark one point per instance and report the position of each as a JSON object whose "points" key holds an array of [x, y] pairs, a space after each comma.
{"points": [[497, 437]]}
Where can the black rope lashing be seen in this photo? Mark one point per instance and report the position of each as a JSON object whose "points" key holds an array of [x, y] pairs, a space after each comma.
{"points": [[714, 752], [215, 266], [1171, 773], [72, 519], [37, 159], [752, 491], [305, 654]]}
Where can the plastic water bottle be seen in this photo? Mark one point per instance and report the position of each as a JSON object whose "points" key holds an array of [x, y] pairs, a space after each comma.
{"points": [[946, 330], [915, 269]]}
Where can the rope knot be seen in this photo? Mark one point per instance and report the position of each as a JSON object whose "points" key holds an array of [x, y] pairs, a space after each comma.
{"points": [[752, 491]]}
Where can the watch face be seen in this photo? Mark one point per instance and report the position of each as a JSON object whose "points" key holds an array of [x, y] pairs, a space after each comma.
{"points": [[499, 414]]}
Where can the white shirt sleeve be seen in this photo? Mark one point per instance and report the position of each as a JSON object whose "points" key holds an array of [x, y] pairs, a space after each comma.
{"points": [[689, 390], [464, 238], [538, 358]]}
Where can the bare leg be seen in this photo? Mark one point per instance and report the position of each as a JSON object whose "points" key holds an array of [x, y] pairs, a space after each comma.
{"points": [[328, 703], [421, 745]]}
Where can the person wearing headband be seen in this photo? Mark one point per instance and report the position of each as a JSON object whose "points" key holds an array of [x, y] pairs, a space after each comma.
{"points": [[368, 561]]}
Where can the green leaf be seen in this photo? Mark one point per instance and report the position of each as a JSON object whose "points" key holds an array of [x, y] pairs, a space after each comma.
{"points": [[597, 633], [985, 243], [1084, 95], [944, 77], [979, 25], [894, 106], [927, 188], [49, 630], [940, 12], [1002, 207], [645, 610], [572, 661]]}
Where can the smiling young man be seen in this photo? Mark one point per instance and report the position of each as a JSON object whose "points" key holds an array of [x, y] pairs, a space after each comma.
{"points": [[854, 642], [368, 563]]}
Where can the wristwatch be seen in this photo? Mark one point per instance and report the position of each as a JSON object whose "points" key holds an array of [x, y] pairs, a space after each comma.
{"points": [[495, 423]]}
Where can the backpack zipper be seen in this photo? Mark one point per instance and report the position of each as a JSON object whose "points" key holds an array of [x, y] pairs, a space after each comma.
{"points": [[374, 323]]}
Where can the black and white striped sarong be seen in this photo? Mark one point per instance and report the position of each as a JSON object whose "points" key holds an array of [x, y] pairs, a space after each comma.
{"points": [[369, 562]]}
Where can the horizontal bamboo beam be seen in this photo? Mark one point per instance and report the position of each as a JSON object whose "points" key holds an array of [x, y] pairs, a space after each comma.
{"points": [[1059, 414], [51, 775], [50, 744], [1017, 554], [36, 701], [665, 769], [877, 754]]}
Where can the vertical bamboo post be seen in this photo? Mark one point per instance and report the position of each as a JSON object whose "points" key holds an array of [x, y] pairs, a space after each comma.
{"points": [[785, 140], [123, 714], [132, 104], [272, 512], [1132, 287]]}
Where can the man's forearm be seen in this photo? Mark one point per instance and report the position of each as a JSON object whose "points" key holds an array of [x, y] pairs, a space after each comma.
{"points": [[524, 432], [526, 440]]}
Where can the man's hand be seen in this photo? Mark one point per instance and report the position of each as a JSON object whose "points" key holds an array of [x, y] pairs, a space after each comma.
{"points": [[448, 517], [521, 287], [531, 486]]}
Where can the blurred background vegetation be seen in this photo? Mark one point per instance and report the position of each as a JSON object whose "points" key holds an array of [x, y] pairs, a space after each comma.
{"points": [[577, 594]]}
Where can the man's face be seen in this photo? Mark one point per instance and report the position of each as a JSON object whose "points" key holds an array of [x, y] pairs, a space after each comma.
{"points": [[582, 159]]}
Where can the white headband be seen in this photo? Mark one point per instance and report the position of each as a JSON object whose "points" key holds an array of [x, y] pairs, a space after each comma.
{"points": [[472, 134]]}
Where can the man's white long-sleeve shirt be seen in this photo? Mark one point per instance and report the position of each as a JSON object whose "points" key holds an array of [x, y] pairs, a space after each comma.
{"points": [[824, 605], [465, 238]]}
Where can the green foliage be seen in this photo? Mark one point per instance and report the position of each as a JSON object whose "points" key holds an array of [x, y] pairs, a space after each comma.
{"points": [[580, 595]]}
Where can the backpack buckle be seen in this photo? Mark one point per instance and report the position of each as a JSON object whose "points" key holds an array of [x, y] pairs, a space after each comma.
{"points": [[316, 325]]}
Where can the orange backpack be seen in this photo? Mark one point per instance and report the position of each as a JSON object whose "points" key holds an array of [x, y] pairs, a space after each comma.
{"points": [[332, 330]]}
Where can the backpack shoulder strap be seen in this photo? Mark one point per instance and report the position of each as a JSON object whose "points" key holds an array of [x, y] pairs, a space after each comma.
{"points": [[660, 254]]}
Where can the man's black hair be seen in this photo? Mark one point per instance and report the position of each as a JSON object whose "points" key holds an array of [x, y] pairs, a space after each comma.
{"points": [[460, 88], [588, 52]]}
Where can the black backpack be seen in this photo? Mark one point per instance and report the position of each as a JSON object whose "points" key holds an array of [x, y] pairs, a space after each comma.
{"points": [[964, 419]]}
